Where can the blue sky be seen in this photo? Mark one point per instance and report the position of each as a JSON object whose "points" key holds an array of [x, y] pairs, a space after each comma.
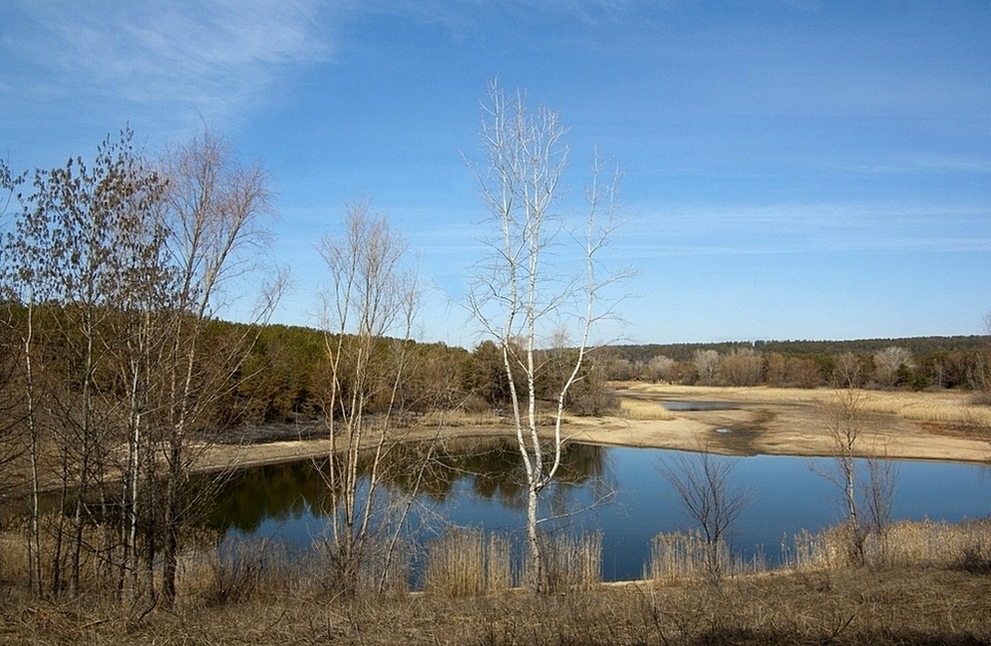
{"points": [[792, 170]]}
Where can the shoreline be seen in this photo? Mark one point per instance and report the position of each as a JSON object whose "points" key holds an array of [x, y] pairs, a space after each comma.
{"points": [[755, 421]]}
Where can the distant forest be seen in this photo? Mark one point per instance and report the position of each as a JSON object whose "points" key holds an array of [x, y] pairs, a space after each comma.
{"points": [[281, 378], [919, 347]]}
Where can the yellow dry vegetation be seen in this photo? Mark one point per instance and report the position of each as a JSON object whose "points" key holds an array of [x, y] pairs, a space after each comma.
{"points": [[642, 410], [950, 407]]}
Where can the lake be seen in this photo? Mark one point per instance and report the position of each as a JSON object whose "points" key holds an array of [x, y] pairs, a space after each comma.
{"points": [[619, 491]]}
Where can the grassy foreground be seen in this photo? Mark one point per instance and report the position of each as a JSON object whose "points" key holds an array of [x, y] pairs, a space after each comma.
{"points": [[894, 606], [929, 584]]}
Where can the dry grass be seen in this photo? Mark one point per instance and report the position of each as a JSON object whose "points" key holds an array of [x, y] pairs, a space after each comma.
{"points": [[456, 419], [948, 407], [574, 562], [465, 563], [911, 606], [684, 556], [643, 410]]}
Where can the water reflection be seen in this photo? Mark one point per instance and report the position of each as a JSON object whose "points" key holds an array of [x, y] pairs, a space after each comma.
{"points": [[492, 470], [480, 485]]}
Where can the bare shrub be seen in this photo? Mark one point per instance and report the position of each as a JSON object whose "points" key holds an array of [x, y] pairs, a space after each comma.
{"points": [[379, 568], [242, 569], [705, 488]]}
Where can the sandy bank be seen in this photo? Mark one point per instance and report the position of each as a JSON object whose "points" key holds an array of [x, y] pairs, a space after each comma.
{"points": [[931, 426]]}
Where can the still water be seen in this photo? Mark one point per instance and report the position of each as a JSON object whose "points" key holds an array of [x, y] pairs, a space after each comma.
{"points": [[621, 492]]}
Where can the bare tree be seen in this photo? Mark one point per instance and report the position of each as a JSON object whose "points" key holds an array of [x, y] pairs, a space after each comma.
{"points": [[888, 362], [368, 323], [116, 267], [661, 368], [741, 367], [17, 289], [706, 365], [847, 373], [75, 249], [867, 500], [215, 210], [704, 484], [518, 296], [844, 421]]}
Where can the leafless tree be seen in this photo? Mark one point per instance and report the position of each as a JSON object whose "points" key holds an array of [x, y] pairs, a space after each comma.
{"points": [[368, 323], [741, 367], [868, 499], [116, 268], [706, 365], [523, 294], [215, 212], [888, 362], [661, 368], [77, 244], [847, 373], [705, 486]]}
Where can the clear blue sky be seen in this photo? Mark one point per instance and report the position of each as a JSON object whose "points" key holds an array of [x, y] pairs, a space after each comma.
{"points": [[793, 170]]}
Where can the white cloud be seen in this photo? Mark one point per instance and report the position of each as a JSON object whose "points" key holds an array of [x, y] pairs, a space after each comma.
{"points": [[216, 55]]}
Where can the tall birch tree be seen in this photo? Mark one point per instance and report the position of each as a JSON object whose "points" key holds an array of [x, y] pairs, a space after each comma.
{"points": [[529, 289]]}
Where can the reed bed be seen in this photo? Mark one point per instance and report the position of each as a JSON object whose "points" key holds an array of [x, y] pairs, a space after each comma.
{"points": [[940, 408], [687, 555], [574, 562], [939, 596], [903, 544], [939, 544], [638, 409], [465, 563], [455, 419]]}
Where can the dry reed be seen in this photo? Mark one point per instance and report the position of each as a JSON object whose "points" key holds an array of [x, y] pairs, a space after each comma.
{"points": [[465, 562], [574, 562], [687, 555], [639, 409], [456, 419]]}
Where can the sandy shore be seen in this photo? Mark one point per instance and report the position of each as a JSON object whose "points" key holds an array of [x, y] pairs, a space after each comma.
{"points": [[932, 426]]}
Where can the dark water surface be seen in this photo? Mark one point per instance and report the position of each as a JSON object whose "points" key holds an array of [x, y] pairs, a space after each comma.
{"points": [[618, 491]]}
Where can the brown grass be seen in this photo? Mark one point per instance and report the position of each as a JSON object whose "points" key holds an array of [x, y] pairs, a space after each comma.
{"points": [[465, 563], [932, 588], [948, 407], [643, 410], [844, 606]]}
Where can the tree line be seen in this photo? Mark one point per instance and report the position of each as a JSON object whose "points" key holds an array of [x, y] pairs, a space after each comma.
{"points": [[960, 362]]}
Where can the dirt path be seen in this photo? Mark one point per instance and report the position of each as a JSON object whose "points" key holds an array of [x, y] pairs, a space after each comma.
{"points": [[936, 426]]}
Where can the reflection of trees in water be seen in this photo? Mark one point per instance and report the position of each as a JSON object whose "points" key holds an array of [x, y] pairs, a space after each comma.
{"points": [[276, 491], [290, 490]]}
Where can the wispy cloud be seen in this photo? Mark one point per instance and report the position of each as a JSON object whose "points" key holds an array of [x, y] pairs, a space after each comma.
{"points": [[937, 164], [812, 228], [217, 55]]}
